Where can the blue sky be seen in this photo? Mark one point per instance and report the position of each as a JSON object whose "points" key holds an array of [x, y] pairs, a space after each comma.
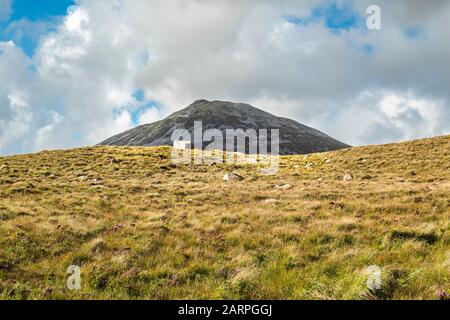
{"points": [[335, 16], [39, 9], [31, 19]]}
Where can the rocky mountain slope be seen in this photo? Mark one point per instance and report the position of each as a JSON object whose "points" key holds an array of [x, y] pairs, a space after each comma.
{"points": [[295, 138]]}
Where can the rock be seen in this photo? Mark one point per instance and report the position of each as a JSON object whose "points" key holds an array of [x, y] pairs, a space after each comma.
{"points": [[296, 166], [348, 177], [328, 161], [309, 165], [232, 177], [271, 201], [96, 182], [269, 171], [283, 187]]}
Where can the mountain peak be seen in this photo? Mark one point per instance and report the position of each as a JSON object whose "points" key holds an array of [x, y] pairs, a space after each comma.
{"points": [[198, 102], [295, 138]]}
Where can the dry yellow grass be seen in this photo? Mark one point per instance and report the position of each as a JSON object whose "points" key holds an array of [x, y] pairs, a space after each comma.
{"points": [[140, 227]]}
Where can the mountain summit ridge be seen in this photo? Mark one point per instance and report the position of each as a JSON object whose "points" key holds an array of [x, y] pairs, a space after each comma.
{"points": [[295, 138]]}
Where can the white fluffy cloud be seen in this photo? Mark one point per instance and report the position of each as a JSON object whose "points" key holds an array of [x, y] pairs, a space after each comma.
{"points": [[359, 86]]}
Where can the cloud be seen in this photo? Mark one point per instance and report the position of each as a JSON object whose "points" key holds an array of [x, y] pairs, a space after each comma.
{"points": [[330, 73], [15, 114], [26, 33], [5, 10]]}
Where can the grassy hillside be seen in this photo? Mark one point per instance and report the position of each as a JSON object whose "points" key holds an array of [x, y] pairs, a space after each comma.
{"points": [[140, 227]]}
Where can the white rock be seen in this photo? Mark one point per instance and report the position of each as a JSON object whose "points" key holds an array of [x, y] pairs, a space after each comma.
{"points": [[348, 177], [309, 165], [271, 201], [269, 171], [232, 176], [283, 187], [228, 177], [328, 161]]}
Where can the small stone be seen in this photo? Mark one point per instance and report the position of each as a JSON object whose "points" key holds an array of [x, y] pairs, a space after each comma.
{"points": [[232, 176], [348, 177], [309, 165], [271, 201], [283, 187], [328, 161], [269, 171]]}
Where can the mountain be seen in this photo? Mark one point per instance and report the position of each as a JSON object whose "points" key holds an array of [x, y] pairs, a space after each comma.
{"points": [[295, 138]]}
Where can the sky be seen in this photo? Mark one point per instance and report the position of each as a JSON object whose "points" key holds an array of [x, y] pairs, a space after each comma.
{"points": [[73, 73]]}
